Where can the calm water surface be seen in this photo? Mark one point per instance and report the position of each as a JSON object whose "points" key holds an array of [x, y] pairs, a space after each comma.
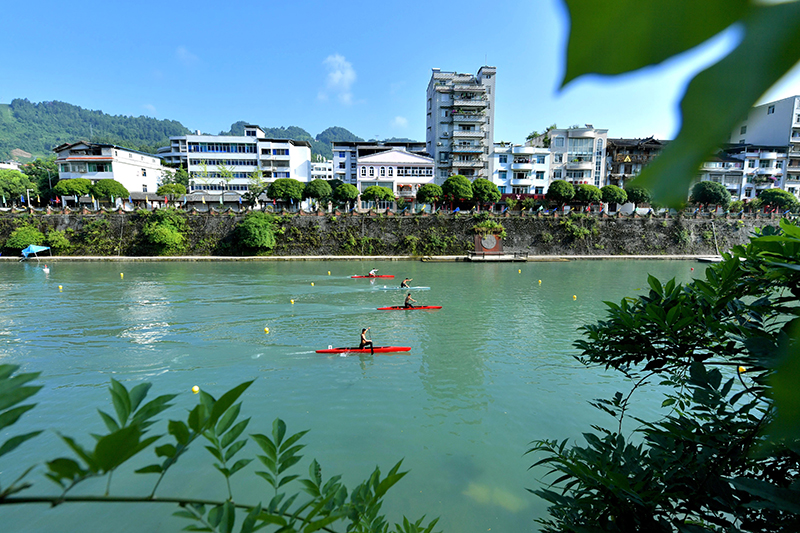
{"points": [[487, 374]]}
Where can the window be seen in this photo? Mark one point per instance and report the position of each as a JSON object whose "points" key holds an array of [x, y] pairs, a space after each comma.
{"points": [[445, 113], [383, 172], [371, 172], [519, 190], [363, 172], [540, 160], [520, 175], [502, 175], [742, 130], [144, 172], [557, 158], [391, 171], [538, 190], [558, 142], [144, 188], [341, 154], [503, 159], [764, 163], [770, 110], [540, 175], [443, 156], [443, 173], [341, 164], [751, 163], [557, 174]]}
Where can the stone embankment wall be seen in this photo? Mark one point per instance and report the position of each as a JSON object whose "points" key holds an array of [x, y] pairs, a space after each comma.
{"points": [[117, 233]]}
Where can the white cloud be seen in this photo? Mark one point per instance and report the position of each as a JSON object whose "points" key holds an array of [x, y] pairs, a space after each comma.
{"points": [[339, 80], [150, 108], [400, 122], [185, 56]]}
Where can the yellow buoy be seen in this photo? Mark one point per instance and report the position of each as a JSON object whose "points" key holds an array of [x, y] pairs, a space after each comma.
{"points": [[519, 271], [574, 297], [292, 301], [742, 369], [312, 283], [121, 275], [60, 288], [266, 330], [195, 389], [329, 272], [540, 282]]}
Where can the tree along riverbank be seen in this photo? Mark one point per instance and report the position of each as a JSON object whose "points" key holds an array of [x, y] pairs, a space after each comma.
{"points": [[139, 234]]}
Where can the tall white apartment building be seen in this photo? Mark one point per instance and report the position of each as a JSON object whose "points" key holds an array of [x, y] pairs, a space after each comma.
{"points": [[226, 163], [578, 155], [136, 171], [346, 155], [775, 124], [460, 123], [520, 169]]}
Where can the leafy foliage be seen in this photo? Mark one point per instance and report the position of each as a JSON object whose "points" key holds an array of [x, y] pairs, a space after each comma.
{"points": [[374, 193], [778, 198], [345, 193], [317, 189], [725, 455], [165, 229], [257, 231], [286, 189], [613, 194], [560, 192], [107, 188], [24, 235], [489, 227], [457, 188], [73, 187], [587, 194], [316, 504], [710, 193], [638, 195], [14, 183], [484, 191], [429, 193], [176, 189], [717, 98]]}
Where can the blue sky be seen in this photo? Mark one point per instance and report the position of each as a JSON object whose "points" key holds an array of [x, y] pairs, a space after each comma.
{"points": [[363, 66]]}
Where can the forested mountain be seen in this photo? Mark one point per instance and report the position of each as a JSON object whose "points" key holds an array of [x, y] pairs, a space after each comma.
{"points": [[37, 128], [321, 145]]}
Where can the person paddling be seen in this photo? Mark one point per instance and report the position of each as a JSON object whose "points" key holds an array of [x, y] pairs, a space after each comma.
{"points": [[366, 342], [404, 284], [373, 273], [409, 299]]}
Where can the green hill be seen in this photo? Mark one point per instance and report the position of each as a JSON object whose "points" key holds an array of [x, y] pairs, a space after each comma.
{"points": [[37, 128], [34, 129]]}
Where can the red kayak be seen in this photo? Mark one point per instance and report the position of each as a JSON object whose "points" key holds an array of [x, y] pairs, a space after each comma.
{"points": [[376, 349], [368, 276], [404, 308]]}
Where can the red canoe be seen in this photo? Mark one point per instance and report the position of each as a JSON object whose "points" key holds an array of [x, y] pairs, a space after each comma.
{"points": [[404, 308], [381, 276], [376, 349]]}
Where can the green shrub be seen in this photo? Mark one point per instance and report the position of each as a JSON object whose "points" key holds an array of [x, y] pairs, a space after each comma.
{"points": [[58, 242], [489, 227], [165, 229], [24, 236], [256, 231]]}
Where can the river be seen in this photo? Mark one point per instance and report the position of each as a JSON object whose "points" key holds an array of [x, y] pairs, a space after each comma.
{"points": [[488, 373]]}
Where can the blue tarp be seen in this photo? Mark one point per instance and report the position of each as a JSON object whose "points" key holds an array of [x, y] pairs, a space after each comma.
{"points": [[34, 249]]}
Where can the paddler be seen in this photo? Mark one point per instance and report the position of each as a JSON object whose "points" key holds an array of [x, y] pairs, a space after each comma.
{"points": [[408, 301], [373, 273], [366, 342], [404, 284]]}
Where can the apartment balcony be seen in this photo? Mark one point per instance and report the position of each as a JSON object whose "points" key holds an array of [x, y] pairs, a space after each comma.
{"points": [[768, 155], [472, 102], [521, 166], [523, 150], [469, 134], [469, 87], [467, 149], [522, 182], [468, 164], [468, 118], [580, 165]]}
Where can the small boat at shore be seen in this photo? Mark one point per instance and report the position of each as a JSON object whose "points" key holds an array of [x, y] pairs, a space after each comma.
{"points": [[376, 349], [404, 308]]}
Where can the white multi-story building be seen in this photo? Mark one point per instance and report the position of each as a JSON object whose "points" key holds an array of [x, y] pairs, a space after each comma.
{"points": [[775, 124], [396, 169], [227, 163], [726, 170], [136, 171], [322, 170], [10, 165], [460, 122], [578, 155], [346, 155], [521, 169]]}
